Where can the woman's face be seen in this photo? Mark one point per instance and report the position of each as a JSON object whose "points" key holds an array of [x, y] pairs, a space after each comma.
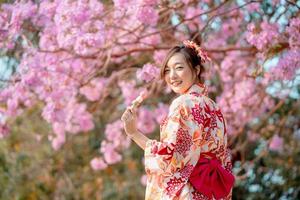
{"points": [[178, 75]]}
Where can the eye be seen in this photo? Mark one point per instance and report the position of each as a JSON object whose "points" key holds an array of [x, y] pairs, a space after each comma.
{"points": [[166, 70], [179, 67]]}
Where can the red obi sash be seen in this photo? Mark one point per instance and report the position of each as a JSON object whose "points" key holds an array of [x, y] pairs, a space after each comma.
{"points": [[210, 178]]}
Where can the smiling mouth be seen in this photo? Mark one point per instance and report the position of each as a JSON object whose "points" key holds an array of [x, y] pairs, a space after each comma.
{"points": [[176, 83]]}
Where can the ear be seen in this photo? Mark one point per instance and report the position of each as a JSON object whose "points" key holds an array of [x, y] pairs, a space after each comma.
{"points": [[198, 70]]}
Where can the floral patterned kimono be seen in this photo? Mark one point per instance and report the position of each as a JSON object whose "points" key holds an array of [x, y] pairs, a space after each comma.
{"points": [[194, 129]]}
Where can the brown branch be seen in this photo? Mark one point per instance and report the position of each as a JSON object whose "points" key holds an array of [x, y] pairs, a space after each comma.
{"points": [[281, 123], [5, 80], [269, 114], [136, 50], [189, 19], [219, 50], [259, 156], [231, 48], [106, 92], [223, 13], [255, 129], [293, 3]]}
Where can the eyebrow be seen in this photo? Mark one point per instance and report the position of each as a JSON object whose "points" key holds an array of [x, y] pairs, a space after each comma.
{"points": [[175, 64]]}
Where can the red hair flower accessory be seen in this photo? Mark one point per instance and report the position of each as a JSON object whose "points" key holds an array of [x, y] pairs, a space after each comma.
{"points": [[202, 54]]}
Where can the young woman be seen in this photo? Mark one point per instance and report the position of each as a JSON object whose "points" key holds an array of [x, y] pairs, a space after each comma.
{"points": [[191, 160]]}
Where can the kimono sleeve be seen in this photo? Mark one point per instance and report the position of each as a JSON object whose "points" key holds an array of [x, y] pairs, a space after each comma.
{"points": [[173, 160]]}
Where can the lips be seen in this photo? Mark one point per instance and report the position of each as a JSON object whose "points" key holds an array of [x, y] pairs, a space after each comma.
{"points": [[176, 83]]}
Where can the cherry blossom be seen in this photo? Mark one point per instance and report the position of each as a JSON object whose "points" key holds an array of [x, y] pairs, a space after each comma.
{"points": [[77, 58]]}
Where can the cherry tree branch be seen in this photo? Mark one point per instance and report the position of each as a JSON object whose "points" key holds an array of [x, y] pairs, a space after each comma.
{"points": [[293, 3]]}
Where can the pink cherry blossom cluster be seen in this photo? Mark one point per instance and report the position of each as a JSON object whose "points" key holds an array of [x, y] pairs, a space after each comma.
{"points": [[129, 91], [161, 112], [276, 143], [12, 18], [121, 3], [150, 39], [116, 140], [72, 118], [79, 45], [146, 123], [287, 66], [151, 118], [262, 36], [140, 16], [4, 130], [253, 7], [159, 57], [194, 22], [112, 146], [148, 73], [240, 101], [147, 13], [94, 89], [78, 30], [46, 78], [294, 33], [230, 30], [137, 11]]}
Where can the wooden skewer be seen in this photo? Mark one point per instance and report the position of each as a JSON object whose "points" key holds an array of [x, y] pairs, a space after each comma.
{"points": [[138, 101]]}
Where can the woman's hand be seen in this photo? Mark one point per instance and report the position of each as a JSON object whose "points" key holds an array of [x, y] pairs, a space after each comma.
{"points": [[129, 121]]}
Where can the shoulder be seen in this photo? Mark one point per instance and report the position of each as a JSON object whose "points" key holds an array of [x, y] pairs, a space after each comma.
{"points": [[180, 101], [189, 101], [185, 101]]}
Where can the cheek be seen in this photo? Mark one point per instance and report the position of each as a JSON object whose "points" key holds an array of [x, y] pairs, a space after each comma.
{"points": [[166, 79], [186, 74], [188, 77]]}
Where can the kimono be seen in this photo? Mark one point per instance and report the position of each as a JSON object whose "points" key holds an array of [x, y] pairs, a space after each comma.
{"points": [[194, 130]]}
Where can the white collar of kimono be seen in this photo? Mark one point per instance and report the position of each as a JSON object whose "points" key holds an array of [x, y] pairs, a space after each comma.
{"points": [[199, 88]]}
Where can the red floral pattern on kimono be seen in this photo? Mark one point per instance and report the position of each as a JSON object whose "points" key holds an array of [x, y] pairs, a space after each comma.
{"points": [[193, 126]]}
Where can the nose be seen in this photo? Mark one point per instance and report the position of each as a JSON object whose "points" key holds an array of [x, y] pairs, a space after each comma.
{"points": [[173, 74]]}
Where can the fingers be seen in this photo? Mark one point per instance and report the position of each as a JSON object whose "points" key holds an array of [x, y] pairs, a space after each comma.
{"points": [[135, 104], [132, 109], [128, 114], [125, 116]]}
